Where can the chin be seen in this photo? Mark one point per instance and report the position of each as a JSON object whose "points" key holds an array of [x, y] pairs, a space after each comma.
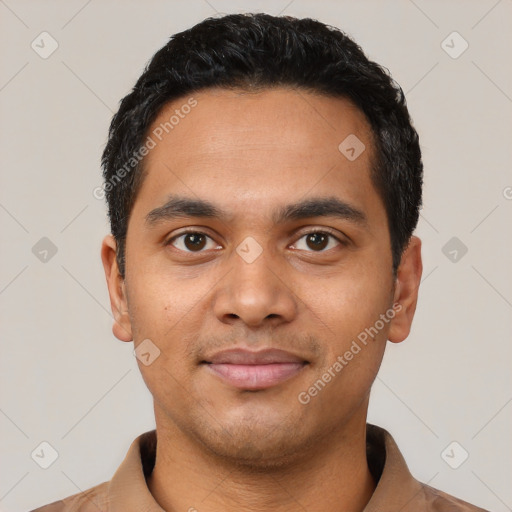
{"points": [[257, 458], [253, 445]]}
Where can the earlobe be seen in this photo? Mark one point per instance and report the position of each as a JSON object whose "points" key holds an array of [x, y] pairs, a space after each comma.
{"points": [[406, 291], [116, 289]]}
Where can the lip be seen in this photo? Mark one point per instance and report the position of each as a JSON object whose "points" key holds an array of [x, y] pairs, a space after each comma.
{"points": [[245, 369]]}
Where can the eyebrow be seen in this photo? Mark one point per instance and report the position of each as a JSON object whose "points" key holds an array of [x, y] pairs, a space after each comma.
{"points": [[186, 207]]}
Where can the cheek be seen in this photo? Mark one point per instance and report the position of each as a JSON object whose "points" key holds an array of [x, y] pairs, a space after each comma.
{"points": [[354, 338], [347, 303], [165, 318], [347, 310], [171, 332], [158, 304]]}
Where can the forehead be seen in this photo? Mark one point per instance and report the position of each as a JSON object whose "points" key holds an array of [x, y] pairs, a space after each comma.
{"points": [[251, 150], [273, 120]]}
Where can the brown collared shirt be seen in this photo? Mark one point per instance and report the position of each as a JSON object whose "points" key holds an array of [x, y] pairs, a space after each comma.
{"points": [[396, 491]]}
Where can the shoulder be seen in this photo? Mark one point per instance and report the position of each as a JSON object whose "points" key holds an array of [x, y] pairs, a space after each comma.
{"points": [[397, 489], [439, 501], [91, 500]]}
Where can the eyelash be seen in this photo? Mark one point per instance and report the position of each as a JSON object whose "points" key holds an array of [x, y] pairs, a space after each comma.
{"points": [[325, 231]]}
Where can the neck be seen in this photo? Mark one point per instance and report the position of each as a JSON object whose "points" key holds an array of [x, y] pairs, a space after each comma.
{"points": [[331, 475]]}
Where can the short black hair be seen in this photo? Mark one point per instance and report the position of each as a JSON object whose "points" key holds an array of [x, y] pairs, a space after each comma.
{"points": [[259, 51]]}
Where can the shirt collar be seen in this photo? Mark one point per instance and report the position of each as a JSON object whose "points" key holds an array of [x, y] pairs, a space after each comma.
{"points": [[396, 488]]}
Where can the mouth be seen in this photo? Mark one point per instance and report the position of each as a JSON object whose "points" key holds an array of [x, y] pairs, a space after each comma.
{"points": [[253, 371]]}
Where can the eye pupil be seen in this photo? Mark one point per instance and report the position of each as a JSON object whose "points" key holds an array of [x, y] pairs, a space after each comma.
{"points": [[319, 240], [194, 241]]}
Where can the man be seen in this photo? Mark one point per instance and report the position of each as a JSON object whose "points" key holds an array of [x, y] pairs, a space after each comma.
{"points": [[263, 181]]}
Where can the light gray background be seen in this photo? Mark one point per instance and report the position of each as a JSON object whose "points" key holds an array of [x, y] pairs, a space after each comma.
{"points": [[66, 380]]}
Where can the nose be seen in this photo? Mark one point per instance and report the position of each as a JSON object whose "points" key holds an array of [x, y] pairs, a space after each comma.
{"points": [[255, 293]]}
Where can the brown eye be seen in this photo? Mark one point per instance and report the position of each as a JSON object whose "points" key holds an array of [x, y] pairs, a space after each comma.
{"points": [[192, 242], [317, 241]]}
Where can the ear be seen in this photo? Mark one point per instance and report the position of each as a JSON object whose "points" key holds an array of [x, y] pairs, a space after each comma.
{"points": [[406, 291], [116, 288]]}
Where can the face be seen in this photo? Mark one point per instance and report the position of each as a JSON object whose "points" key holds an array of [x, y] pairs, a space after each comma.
{"points": [[257, 258]]}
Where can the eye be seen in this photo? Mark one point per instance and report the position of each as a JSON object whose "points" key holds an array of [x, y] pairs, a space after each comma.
{"points": [[318, 241], [192, 241], [196, 241]]}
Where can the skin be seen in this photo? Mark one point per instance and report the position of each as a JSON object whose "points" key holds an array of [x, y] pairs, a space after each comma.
{"points": [[220, 448]]}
